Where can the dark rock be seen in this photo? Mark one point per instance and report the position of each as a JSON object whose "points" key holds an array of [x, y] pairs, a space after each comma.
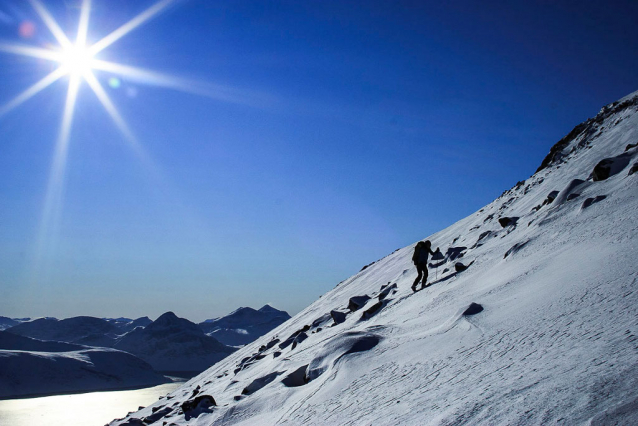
{"points": [[455, 252], [630, 146], [608, 167], [321, 320], [338, 317], [289, 341], [459, 267], [300, 338], [276, 354], [367, 266], [386, 291], [262, 348], [473, 309], [373, 310], [633, 169], [357, 302], [195, 391], [238, 397], [272, 343], [550, 197], [157, 414], [572, 196], [589, 201], [507, 221], [296, 378], [133, 422], [602, 170], [202, 402]]}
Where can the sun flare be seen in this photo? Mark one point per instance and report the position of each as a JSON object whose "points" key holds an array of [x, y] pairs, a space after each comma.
{"points": [[77, 61]]}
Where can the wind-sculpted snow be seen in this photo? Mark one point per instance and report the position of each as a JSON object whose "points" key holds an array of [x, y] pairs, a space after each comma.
{"points": [[538, 327]]}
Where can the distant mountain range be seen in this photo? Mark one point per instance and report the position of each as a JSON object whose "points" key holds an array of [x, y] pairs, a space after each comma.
{"points": [[244, 325], [33, 367], [168, 344]]}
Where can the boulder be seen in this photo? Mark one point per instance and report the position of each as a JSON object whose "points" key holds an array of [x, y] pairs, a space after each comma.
{"points": [[459, 267], [198, 405], [507, 221], [372, 310], [473, 309], [272, 343], [633, 169], [386, 291], [551, 197], [300, 338], [608, 167], [338, 317], [602, 170], [355, 303]]}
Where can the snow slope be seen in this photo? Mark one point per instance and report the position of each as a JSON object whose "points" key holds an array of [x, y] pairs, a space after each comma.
{"points": [[555, 342], [33, 367]]}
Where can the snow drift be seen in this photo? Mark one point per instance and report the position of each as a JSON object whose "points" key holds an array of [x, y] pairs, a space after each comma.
{"points": [[532, 320]]}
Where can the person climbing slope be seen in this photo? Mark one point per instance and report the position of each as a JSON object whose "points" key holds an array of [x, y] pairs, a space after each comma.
{"points": [[420, 259]]}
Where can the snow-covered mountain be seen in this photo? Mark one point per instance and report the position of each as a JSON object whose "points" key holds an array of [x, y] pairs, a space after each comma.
{"points": [[173, 344], [6, 322], [244, 325], [126, 324], [531, 317], [84, 330], [34, 367]]}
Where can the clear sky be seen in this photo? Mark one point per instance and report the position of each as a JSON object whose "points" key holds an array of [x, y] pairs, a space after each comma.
{"points": [[295, 142]]}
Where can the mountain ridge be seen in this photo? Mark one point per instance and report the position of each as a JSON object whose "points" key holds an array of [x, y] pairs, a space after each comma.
{"points": [[529, 318]]}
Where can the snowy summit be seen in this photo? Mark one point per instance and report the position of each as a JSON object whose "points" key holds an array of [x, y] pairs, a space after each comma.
{"points": [[530, 316]]}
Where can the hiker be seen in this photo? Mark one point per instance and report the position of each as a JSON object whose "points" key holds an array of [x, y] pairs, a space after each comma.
{"points": [[420, 259]]}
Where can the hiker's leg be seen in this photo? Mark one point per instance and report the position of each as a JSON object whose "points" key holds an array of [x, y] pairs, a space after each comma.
{"points": [[418, 277], [425, 275]]}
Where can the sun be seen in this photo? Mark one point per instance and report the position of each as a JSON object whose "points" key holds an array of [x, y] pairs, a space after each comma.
{"points": [[77, 60]]}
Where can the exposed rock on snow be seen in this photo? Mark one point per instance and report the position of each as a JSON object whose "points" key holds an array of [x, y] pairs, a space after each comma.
{"points": [[357, 302], [557, 344], [338, 317], [197, 406], [386, 291], [589, 201], [459, 267], [473, 309], [610, 167], [507, 221]]}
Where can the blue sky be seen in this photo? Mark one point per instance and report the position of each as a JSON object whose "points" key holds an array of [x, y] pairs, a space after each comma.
{"points": [[325, 136]]}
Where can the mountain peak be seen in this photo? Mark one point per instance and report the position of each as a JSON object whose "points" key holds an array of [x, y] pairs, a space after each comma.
{"points": [[268, 308]]}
